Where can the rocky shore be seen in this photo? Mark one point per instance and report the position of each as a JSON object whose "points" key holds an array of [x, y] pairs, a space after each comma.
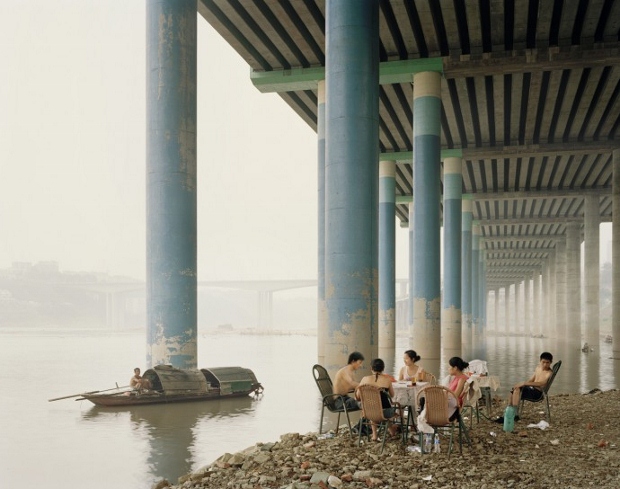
{"points": [[580, 449]]}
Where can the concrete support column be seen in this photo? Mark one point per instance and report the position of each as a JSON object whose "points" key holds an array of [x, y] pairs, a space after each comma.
{"points": [[615, 255], [351, 178], [475, 282], [496, 310], [426, 198], [592, 269], [411, 273], [551, 329], [535, 327], [466, 280], [518, 308], [560, 278], [527, 304], [452, 233], [387, 262], [265, 310], [321, 335], [171, 183], [573, 281], [507, 309], [543, 322]]}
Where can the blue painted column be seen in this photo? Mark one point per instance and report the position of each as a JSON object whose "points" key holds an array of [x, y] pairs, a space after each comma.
{"points": [[387, 262], [321, 312], [351, 178], [426, 219], [452, 235], [466, 270], [615, 254], [171, 182], [475, 282], [411, 235]]}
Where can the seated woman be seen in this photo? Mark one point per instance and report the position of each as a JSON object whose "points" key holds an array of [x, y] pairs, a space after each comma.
{"points": [[457, 383], [383, 382], [411, 371]]}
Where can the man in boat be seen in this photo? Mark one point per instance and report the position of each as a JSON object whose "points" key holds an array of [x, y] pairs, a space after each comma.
{"points": [[138, 382], [345, 383]]}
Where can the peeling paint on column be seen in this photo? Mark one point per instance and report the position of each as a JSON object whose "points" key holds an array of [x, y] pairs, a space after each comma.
{"points": [[171, 183]]}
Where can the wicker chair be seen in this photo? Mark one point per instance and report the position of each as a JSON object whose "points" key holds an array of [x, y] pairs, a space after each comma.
{"points": [[372, 412], [545, 391], [437, 407], [328, 398]]}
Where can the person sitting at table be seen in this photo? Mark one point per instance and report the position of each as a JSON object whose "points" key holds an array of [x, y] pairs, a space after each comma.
{"points": [[384, 383], [344, 382], [457, 383], [411, 371]]}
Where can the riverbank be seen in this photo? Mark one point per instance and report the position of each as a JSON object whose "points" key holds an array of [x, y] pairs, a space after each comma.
{"points": [[579, 449]]}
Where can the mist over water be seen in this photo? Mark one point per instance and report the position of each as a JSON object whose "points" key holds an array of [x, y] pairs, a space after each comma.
{"points": [[76, 444]]}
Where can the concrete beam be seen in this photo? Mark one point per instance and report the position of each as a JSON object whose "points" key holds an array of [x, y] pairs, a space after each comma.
{"points": [[532, 60], [536, 220], [296, 79], [526, 238], [542, 193]]}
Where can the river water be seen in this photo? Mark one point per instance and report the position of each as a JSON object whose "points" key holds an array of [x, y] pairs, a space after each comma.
{"points": [[69, 444]]}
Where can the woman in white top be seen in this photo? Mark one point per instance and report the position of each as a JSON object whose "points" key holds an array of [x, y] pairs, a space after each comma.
{"points": [[411, 371]]}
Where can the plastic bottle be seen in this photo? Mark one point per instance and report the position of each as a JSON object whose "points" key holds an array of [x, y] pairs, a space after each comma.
{"points": [[427, 442], [509, 419], [437, 447]]}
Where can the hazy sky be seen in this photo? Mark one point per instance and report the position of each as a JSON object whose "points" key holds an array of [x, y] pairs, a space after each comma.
{"points": [[72, 150]]}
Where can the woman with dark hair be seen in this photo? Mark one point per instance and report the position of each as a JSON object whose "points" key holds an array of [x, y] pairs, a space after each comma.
{"points": [[458, 378], [384, 383], [411, 371]]}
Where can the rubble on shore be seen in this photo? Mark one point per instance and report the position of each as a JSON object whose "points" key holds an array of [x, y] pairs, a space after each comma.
{"points": [[580, 448]]}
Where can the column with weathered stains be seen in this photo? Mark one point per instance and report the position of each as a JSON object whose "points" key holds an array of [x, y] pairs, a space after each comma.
{"points": [[321, 311], [496, 310], [475, 281], [573, 282], [466, 269], [426, 219], [527, 304], [507, 327], [592, 269], [411, 234], [552, 326], [351, 178], [518, 312], [536, 303], [387, 262], [171, 183], [452, 233], [615, 255], [560, 296]]}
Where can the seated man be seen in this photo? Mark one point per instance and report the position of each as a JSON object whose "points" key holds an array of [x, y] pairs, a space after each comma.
{"points": [[344, 383], [138, 382], [531, 389]]}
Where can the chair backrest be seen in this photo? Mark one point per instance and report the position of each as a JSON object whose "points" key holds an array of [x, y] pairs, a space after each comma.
{"points": [[370, 398], [554, 372], [436, 404], [324, 383], [430, 378]]}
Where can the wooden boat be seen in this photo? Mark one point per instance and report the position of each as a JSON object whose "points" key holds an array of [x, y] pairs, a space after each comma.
{"points": [[171, 384]]}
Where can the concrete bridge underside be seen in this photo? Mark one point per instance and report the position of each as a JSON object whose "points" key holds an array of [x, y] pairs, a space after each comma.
{"points": [[525, 95]]}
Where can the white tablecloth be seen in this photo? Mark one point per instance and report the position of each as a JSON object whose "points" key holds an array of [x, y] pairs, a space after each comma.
{"points": [[407, 395]]}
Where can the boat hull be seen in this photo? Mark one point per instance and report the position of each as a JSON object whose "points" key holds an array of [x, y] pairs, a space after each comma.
{"points": [[139, 399]]}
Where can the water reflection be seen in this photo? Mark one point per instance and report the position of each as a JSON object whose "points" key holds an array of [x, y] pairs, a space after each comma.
{"points": [[172, 432]]}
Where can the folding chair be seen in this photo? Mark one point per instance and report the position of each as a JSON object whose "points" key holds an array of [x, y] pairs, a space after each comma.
{"points": [[372, 412], [545, 391], [436, 406], [326, 388]]}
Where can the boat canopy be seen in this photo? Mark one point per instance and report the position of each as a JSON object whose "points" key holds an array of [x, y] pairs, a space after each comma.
{"points": [[228, 380], [231, 379]]}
